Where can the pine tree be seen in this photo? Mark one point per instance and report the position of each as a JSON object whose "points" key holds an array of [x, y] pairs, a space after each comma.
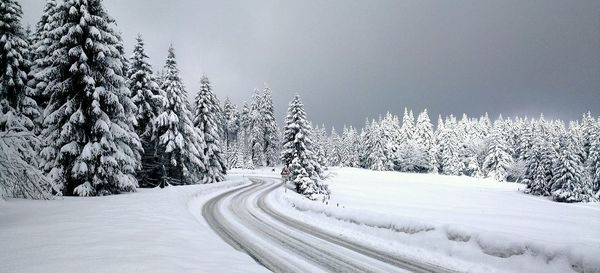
{"points": [[424, 137], [320, 145], [593, 161], [568, 182], [538, 165], [181, 144], [524, 141], [589, 130], [349, 147], [45, 43], [391, 138], [17, 109], [92, 148], [498, 159], [231, 131], [149, 101], [232, 123], [333, 148], [255, 130], [270, 130], [408, 128], [376, 159], [299, 155], [449, 148], [206, 120]]}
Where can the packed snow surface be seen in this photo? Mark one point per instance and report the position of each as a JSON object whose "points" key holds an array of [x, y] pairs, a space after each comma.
{"points": [[477, 220], [153, 230]]}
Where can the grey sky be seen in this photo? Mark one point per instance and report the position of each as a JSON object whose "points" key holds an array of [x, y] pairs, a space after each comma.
{"points": [[353, 59]]}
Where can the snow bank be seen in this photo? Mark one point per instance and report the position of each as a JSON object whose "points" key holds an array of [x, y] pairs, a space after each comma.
{"points": [[153, 230], [477, 220]]}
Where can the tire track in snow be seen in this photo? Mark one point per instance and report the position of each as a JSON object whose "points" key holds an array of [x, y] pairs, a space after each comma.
{"points": [[282, 244]]}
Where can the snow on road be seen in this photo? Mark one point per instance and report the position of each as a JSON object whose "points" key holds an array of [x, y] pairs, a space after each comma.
{"points": [[154, 230], [472, 224], [243, 218]]}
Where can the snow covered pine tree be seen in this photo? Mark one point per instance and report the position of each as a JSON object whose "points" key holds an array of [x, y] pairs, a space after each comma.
{"points": [[91, 147], [270, 130], [569, 183], [19, 175], [298, 154], [205, 119], [150, 101], [44, 42], [180, 143]]}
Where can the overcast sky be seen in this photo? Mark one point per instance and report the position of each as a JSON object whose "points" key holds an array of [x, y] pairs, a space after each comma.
{"points": [[353, 59]]}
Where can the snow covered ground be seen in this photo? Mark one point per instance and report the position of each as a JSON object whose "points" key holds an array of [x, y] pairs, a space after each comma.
{"points": [[464, 223], [154, 230]]}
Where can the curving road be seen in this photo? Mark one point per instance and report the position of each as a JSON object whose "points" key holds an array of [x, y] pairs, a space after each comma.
{"points": [[282, 244]]}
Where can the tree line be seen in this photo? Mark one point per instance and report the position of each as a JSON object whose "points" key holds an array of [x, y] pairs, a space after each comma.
{"points": [[553, 158]]}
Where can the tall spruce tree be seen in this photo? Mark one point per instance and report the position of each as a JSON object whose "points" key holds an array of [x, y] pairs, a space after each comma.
{"points": [[91, 146], [270, 130], [17, 109], [207, 121], [150, 102], [299, 155], [181, 144], [46, 40], [255, 130]]}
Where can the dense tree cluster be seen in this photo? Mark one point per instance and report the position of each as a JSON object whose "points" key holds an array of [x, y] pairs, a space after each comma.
{"points": [[78, 118], [250, 135], [554, 159]]}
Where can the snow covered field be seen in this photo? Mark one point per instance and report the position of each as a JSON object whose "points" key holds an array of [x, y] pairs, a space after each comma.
{"points": [[150, 231], [487, 225]]}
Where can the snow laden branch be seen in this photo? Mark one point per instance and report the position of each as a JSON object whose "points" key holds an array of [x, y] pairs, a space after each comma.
{"points": [[19, 177]]}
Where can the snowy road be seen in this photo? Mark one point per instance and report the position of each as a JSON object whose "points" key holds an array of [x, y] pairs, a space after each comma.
{"points": [[248, 223]]}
